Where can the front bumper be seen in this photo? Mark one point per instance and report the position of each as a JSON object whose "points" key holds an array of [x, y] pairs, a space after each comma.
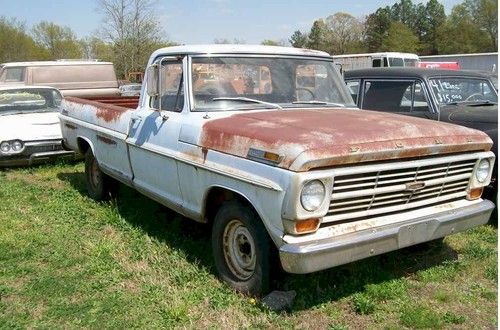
{"points": [[37, 158], [302, 258]]}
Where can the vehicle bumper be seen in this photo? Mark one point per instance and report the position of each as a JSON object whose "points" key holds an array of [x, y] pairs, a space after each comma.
{"points": [[37, 158], [302, 258]]}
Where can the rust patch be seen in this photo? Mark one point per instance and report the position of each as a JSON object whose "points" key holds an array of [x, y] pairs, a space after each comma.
{"points": [[204, 150], [104, 111], [327, 137]]}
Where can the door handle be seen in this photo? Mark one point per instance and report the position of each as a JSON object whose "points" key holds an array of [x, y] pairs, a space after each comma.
{"points": [[134, 119]]}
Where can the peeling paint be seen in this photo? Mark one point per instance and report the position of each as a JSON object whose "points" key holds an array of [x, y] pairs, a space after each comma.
{"points": [[311, 138]]}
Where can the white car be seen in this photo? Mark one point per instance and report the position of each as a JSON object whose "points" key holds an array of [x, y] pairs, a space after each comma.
{"points": [[29, 126]]}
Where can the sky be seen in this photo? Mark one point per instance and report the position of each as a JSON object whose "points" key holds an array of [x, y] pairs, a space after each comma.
{"points": [[203, 21]]}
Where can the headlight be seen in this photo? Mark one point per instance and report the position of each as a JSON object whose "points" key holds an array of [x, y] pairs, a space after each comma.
{"points": [[17, 145], [483, 170], [5, 147], [312, 195]]}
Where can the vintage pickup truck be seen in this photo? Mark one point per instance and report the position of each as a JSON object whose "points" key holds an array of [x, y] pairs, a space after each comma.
{"points": [[267, 146]]}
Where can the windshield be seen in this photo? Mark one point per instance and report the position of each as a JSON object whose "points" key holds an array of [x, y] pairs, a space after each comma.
{"points": [[463, 89], [240, 83], [29, 100]]}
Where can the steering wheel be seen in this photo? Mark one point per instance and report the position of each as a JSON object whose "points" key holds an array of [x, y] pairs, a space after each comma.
{"points": [[472, 96], [313, 96]]}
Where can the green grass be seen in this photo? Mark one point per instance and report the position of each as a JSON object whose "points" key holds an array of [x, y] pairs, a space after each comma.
{"points": [[69, 262]]}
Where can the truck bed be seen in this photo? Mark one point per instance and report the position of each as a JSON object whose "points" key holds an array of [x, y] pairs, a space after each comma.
{"points": [[106, 112]]}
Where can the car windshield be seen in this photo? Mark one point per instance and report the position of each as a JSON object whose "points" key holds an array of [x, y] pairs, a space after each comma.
{"points": [[456, 90], [14, 101], [245, 83]]}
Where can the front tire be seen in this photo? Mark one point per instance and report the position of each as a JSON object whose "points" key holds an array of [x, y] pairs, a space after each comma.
{"points": [[241, 249], [100, 186]]}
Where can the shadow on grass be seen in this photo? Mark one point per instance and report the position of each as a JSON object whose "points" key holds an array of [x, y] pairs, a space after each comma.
{"points": [[193, 239]]}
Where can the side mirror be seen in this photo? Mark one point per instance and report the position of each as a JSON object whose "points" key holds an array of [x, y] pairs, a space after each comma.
{"points": [[152, 80]]}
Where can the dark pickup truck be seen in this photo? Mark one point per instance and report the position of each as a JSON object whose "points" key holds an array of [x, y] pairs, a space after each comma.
{"points": [[460, 97]]}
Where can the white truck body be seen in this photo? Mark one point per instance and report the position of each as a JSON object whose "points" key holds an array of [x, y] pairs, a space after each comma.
{"points": [[388, 181]]}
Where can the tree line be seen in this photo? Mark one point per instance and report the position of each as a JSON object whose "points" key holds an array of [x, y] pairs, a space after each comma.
{"points": [[421, 28], [130, 31]]}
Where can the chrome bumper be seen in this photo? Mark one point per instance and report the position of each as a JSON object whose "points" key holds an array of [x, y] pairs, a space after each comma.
{"points": [[37, 158], [303, 258]]}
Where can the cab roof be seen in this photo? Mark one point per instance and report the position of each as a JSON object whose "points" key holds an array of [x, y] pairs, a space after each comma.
{"points": [[238, 49]]}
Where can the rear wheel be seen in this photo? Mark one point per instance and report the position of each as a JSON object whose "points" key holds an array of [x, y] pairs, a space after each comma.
{"points": [[99, 185], [241, 249]]}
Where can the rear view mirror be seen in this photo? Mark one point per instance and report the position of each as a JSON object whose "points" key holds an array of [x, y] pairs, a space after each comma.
{"points": [[152, 80]]}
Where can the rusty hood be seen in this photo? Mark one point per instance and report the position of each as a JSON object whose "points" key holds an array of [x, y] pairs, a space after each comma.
{"points": [[313, 138]]}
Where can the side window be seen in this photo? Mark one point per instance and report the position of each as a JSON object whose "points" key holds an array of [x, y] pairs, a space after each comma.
{"points": [[387, 95], [171, 96], [14, 74], [414, 99], [353, 86], [377, 63]]}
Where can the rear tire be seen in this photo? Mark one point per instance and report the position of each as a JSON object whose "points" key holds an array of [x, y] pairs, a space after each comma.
{"points": [[100, 186], [242, 249]]}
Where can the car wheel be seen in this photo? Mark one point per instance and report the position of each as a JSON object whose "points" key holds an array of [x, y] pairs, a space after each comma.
{"points": [[100, 186], [241, 249]]}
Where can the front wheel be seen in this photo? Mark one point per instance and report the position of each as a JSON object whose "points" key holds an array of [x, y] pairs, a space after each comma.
{"points": [[99, 185], [241, 249]]}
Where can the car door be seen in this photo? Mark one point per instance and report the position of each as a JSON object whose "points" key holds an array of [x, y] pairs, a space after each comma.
{"points": [[402, 96], [154, 133]]}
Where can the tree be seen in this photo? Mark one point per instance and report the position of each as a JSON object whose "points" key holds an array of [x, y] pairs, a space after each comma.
{"points": [[376, 28], [400, 38], [269, 42], [95, 48], [298, 39], [485, 15], [134, 31], [58, 41], [404, 11], [235, 41], [346, 33], [429, 19], [318, 36], [459, 33], [16, 44]]}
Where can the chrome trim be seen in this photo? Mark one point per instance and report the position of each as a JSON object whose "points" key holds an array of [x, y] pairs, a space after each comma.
{"points": [[311, 256], [374, 190]]}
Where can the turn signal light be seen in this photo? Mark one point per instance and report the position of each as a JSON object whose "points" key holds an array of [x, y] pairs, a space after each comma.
{"points": [[307, 226], [474, 193]]}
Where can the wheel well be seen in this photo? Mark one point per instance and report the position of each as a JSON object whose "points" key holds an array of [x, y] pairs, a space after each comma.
{"points": [[218, 196], [83, 145]]}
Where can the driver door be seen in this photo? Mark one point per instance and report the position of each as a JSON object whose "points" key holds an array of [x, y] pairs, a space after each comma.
{"points": [[154, 133]]}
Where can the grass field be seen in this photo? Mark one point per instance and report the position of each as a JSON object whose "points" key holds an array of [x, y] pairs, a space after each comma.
{"points": [[69, 262]]}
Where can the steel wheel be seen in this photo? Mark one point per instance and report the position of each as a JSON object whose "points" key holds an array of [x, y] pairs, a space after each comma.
{"points": [[242, 248], [239, 250]]}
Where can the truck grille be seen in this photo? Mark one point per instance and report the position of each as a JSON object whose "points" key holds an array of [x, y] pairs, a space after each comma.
{"points": [[382, 192]]}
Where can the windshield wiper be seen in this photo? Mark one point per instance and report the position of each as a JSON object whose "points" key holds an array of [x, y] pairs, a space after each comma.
{"points": [[246, 99], [319, 102]]}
